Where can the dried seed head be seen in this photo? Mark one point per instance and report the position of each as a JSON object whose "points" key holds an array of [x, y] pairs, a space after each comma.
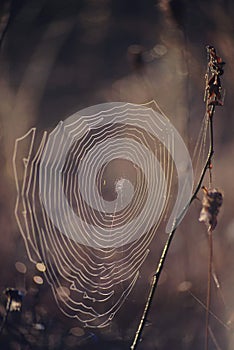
{"points": [[211, 203]]}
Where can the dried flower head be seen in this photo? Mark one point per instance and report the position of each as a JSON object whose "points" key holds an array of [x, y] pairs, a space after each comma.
{"points": [[211, 203], [14, 299]]}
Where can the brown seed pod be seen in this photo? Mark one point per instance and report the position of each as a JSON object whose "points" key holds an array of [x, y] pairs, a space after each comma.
{"points": [[211, 203]]}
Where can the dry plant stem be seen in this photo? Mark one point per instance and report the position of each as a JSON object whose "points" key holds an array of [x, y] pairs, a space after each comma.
{"points": [[160, 266], [153, 287], [154, 284], [209, 156], [208, 297], [214, 339]]}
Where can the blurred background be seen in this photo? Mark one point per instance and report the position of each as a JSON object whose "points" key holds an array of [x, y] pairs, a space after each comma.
{"points": [[58, 57]]}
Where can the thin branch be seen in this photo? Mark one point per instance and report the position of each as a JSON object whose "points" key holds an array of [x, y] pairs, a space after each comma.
{"points": [[208, 297], [208, 159], [214, 339], [153, 287], [212, 99]]}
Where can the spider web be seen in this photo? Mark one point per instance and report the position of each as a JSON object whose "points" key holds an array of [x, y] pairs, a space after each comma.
{"points": [[90, 197]]}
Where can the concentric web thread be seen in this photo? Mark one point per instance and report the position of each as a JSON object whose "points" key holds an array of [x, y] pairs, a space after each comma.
{"points": [[90, 197]]}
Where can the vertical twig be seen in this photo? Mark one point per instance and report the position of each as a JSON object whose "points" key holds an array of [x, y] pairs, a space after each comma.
{"points": [[212, 99], [211, 202], [153, 287], [208, 297]]}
